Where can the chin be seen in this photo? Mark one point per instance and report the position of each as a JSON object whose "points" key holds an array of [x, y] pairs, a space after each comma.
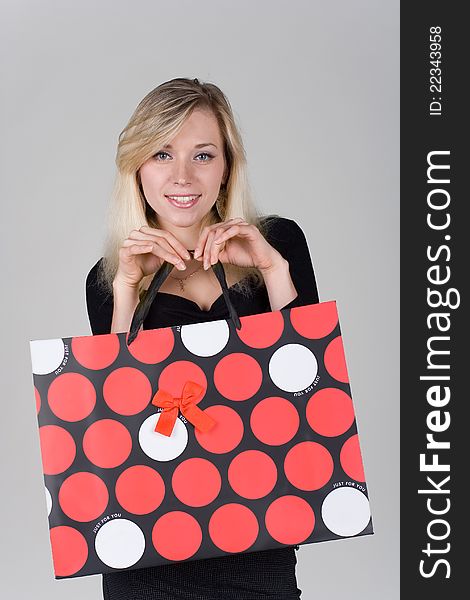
{"points": [[183, 219]]}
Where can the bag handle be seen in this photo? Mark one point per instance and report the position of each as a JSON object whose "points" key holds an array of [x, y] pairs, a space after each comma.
{"points": [[144, 305]]}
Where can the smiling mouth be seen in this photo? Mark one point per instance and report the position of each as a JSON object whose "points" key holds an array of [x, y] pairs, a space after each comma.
{"points": [[183, 201]]}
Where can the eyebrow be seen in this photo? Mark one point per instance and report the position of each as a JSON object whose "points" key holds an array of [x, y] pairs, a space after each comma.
{"points": [[169, 146]]}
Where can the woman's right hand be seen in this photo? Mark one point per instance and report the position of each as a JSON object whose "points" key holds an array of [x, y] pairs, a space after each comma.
{"points": [[144, 252]]}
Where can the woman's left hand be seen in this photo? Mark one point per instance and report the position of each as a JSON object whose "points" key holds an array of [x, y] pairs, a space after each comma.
{"points": [[238, 243]]}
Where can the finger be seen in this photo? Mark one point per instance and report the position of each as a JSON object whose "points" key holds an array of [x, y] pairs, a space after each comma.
{"points": [[200, 246], [241, 229], [136, 234], [221, 237], [225, 226], [160, 239], [131, 250], [210, 255], [169, 256], [221, 232], [216, 249], [151, 241], [208, 248], [150, 233], [129, 242], [238, 229], [213, 248], [158, 250]]}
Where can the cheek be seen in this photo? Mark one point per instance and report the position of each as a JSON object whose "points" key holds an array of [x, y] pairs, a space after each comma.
{"points": [[151, 179], [214, 177]]}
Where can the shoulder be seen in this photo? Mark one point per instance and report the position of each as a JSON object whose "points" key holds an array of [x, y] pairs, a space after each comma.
{"points": [[94, 273], [99, 300], [288, 238], [96, 286], [278, 229]]}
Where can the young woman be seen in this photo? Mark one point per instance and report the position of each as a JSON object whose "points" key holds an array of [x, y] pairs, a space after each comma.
{"points": [[182, 196]]}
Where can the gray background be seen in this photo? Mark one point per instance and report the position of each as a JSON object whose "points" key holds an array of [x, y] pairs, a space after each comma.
{"points": [[315, 89]]}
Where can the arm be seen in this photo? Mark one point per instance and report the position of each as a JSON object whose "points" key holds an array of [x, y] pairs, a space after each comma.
{"points": [[279, 284], [109, 312], [298, 286], [126, 299]]}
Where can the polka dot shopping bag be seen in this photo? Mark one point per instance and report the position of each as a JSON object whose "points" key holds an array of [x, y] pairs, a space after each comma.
{"points": [[198, 441]]}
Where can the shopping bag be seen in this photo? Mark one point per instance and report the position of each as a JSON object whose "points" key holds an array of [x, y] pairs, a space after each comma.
{"points": [[200, 440]]}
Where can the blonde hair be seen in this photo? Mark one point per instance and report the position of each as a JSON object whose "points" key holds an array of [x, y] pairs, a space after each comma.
{"points": [[157, 119]]}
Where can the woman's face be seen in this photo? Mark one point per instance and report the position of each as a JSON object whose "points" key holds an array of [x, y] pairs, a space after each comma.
{"points": [[191, 165]]}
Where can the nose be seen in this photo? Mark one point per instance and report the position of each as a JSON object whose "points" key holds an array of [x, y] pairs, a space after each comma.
{"points": [[182, 172]]}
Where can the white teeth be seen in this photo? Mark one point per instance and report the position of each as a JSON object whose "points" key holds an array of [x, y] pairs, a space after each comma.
{"points": [[183, 198]]}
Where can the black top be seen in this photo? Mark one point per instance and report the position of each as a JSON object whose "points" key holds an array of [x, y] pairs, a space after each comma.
{"points": [[284, 235], [266, 574]]}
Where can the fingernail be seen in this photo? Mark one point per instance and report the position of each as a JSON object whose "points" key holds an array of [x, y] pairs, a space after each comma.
{"points": [[196, 253], [181, 266]]}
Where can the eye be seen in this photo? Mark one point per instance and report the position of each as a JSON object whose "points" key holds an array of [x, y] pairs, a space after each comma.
{"points": [[205, 154], [161, 152]]}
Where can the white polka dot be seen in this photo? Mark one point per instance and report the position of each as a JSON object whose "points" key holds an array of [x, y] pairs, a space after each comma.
{"points": [[293, 367], [346, 511], [205, 339], [46, 355], [48, 501], [159, 446], [120, 543]]}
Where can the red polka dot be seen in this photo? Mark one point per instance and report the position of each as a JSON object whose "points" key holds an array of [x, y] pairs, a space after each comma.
{"points": [[69, 550], [96, 351], [238, 376], [38, 400], [252, 474], [152, 346], [177, 535], [308, 466], [71, 396], [107, 443], [262, 330], [351, 459], [57, 449], [274, 421], [335, 361], [233, 528], [140, 489], [314, 321], [290, 520], [330, 412], [175, 375], [196, 482], [226, 434], [83, 496], [127, 391]]}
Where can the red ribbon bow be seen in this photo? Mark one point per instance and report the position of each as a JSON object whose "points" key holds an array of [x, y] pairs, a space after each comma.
{"points": [[192, 394]]}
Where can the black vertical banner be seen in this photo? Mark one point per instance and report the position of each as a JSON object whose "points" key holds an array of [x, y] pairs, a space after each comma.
{"points": [[435, 259]]}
